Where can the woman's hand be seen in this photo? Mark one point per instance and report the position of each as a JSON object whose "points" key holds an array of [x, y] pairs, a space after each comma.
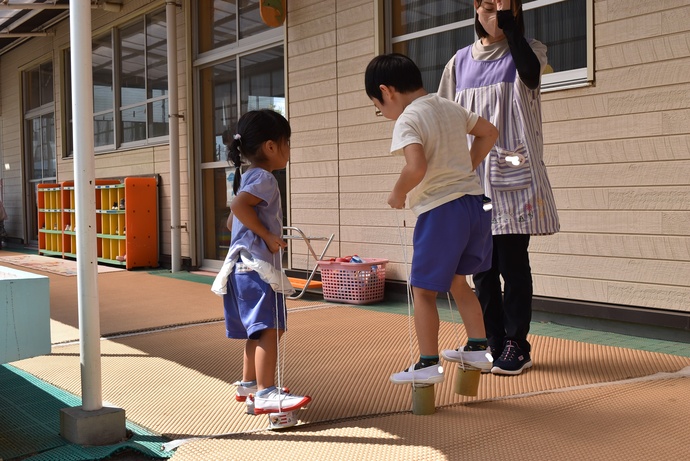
{"points": [[502, 5]]}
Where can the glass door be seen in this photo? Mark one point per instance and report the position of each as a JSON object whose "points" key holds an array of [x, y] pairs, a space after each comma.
{"points": [[239, 64], [229, 89], [39, 140]]}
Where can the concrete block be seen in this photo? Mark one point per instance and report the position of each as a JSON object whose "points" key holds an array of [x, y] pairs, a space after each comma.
{"points": [[24, 315], [98, 427]]}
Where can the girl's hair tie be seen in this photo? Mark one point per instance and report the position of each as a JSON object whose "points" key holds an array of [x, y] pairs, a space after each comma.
{"points": [[236, 137]]}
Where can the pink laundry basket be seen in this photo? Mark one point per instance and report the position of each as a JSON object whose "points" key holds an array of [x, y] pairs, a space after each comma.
{"points": [[353, 283]]}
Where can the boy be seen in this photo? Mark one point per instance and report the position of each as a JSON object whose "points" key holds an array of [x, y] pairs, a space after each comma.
{"points": [[452, 237]]}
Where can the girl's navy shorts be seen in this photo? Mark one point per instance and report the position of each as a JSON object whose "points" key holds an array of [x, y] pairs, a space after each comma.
{"points": [[251, 306]]}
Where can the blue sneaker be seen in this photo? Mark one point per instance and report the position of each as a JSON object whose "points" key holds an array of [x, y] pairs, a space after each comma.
{"points": [[512, 361]]}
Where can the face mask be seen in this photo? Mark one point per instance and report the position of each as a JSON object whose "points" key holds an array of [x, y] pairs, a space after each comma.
{"points": [[490, 24]]}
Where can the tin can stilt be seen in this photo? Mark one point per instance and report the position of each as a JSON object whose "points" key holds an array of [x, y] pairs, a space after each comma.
{"points": [[467, 381], [423, 401]]}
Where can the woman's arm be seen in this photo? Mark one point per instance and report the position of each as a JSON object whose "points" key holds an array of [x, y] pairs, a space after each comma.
{"points": [[526, 62], [446, 87]]}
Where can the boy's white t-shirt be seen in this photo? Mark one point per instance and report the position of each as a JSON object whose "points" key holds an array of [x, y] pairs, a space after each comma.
{"points": [[441, 127]]}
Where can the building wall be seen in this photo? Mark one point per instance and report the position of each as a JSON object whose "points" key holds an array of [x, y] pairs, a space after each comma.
{"points": [[619, 159], [618, 154], [340, 172], [148, 160], [11, 123]]}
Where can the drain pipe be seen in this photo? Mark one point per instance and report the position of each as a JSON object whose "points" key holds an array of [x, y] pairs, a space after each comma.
{"points": [[174, 135]]}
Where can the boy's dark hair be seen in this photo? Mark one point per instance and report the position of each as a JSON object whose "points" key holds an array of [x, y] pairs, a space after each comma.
{"points": [[253, 129], [396, 70], [515, 5]]}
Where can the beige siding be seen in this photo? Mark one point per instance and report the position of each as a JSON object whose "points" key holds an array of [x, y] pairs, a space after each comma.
{"points": [[619, 160], [618, 151], [618, 154], [340, 171], [149, 160]]}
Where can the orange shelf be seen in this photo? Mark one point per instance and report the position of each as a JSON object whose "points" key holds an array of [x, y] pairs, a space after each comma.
{"points": [[126, 221], [49, 200]]}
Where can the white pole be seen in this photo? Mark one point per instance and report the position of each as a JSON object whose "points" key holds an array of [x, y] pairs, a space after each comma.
{"points": [[174, 130], [85, 198]]}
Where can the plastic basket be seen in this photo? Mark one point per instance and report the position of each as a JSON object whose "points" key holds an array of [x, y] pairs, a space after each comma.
{"points": [[353, 283]]}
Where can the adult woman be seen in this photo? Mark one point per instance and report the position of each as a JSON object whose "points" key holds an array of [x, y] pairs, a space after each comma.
{"points": [[498, 77]]}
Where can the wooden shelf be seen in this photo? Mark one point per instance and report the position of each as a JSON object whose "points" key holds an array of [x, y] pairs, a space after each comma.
{"points": [[126, 221]]}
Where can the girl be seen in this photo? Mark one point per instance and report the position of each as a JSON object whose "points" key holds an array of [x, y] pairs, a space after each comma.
{"points": [[251, 280]]}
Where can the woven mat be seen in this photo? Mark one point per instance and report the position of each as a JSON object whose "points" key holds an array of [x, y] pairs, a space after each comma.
{"points": [[178, 382], [599, 423], [59, 266], [131, 301]]}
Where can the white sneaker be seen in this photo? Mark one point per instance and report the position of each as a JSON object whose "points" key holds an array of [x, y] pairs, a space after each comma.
{"points": [[428, 375], [243, 391], [277, 401], [477, 359]]}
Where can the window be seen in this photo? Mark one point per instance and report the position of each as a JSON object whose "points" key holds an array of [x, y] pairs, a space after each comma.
{"points": [[39, 136], [143, 79], [39, 121], [226, 22], [130, 85], [430, 32], [239, 66]]}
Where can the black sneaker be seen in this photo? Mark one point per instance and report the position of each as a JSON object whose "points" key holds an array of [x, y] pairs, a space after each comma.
{"points": [[512, 361]]}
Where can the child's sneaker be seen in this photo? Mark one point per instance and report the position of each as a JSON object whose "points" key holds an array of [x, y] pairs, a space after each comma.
{"points": [[243, 391], [512, 361], [478, 359], [428, 375], [276, 401]]}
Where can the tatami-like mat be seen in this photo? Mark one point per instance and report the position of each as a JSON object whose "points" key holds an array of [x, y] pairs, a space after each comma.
{"points": [[134, 301], [631, 421], [177, 382], [168, 363]]}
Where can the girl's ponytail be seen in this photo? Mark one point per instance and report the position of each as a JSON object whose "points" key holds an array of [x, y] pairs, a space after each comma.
{"points": [[235, 156]]}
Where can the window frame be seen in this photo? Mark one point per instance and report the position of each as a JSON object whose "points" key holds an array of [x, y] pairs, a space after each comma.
{"points": [[574, 78], [113, 32], [40, 112]]}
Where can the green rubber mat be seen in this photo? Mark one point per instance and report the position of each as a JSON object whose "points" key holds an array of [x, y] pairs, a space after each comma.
{"points": [[30, 424], [183, 275]]}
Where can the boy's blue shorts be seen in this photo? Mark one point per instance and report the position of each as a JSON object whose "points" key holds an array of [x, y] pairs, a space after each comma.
{"points": [[250, 306], [454, 238]]}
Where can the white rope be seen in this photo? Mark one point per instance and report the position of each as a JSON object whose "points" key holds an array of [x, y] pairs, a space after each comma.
{"points": [[457, 329], [280, 350], [410, 300]]}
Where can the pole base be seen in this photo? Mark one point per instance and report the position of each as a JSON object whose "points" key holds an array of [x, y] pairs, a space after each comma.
{"points": [[98, 427]]}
